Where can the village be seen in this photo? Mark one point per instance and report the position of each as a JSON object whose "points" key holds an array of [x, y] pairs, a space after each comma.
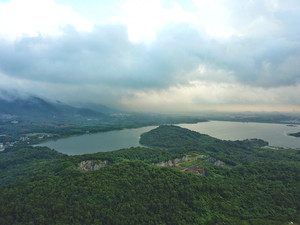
{"points": [[27, 140]]}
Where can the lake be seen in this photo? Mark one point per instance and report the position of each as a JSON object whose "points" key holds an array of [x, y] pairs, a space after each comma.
{"points": [[275, 134], [99, 142]]}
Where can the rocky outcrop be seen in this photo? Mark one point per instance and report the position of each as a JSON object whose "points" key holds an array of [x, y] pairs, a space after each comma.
{"points": [[167, 163], [217, 162], [89, 165], [195, 169], [183, 159], [174, 163]]}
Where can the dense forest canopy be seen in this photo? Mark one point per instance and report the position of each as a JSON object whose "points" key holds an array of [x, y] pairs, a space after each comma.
{"points": [[253, 184]]}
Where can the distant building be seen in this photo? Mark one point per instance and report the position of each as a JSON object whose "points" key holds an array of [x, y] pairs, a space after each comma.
{"points": [[24, 138]]}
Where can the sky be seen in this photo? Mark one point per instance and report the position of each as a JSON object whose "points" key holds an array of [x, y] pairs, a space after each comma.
{"points": [[154, 56]]}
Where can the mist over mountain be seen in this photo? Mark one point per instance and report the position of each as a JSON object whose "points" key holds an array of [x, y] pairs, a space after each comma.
{"points": [[36, 108], [97, 107]]}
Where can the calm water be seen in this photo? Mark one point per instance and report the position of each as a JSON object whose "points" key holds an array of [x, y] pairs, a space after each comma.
{"points": [[275, 134], [100, 142]]}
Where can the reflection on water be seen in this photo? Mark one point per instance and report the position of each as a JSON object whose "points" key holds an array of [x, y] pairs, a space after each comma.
{"points": [[100, 142], [275, 134]]}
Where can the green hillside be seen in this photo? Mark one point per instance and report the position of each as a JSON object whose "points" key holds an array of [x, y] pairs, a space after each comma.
{"points": [[250, 184]]}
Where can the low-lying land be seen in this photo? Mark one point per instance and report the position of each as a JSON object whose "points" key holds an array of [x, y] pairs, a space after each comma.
{"points": [[295, 134]]}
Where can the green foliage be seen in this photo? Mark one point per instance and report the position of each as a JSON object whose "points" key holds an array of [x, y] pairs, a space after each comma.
{"points": [[41, 186], [18, 163], [182, 141], [147, 155], [166, 136]]}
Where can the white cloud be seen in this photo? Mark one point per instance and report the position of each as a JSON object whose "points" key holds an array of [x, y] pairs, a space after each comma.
{"points": [[199, 54], [37, 17], [214, 96], [144, 18]]}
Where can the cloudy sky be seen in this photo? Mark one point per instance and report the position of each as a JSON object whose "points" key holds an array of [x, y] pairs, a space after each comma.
{"points": [[158, 55]]}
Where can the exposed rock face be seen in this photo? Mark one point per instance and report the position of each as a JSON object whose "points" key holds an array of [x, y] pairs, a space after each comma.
{"points": [[195, 169], [89, 165], [216, 162], [183, 159], [167, 163], [219, 163], [174, 163]]}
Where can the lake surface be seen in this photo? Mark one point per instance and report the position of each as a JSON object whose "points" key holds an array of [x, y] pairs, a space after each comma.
{"points": [[99, 142], [275, 134]]}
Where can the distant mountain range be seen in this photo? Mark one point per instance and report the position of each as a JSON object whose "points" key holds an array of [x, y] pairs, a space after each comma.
{"points": [[35, 108]]}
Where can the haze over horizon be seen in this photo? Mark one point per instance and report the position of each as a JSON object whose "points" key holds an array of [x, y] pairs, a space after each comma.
{"points": [[154, 56]]}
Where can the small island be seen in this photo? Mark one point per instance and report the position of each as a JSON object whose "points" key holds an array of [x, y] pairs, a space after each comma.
{"points": [[294, 134]]}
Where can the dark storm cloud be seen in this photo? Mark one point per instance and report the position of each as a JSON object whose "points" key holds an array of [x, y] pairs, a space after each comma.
{"points": [[107, 57]]}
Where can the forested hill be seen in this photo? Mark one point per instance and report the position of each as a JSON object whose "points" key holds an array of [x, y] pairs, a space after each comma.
{"points": [[38, 109], [169, 136], [250, 184], [181, 141]]}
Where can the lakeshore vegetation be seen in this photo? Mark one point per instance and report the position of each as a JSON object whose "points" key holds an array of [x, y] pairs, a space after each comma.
{"points": [[252, 185]]}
